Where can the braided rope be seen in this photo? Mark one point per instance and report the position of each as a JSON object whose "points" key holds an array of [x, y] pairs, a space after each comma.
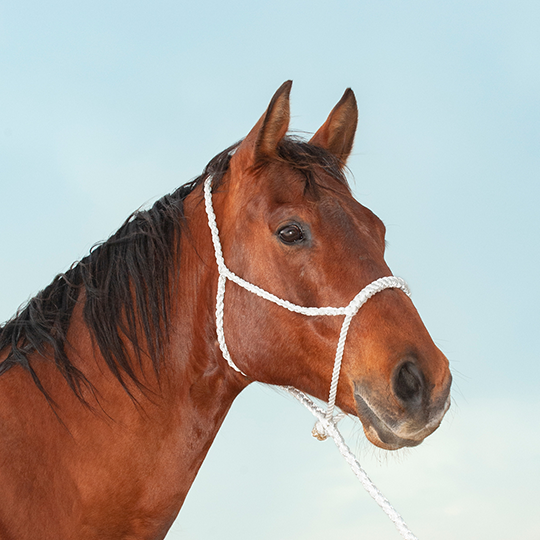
{"points": [[326, 424], [350, 458]]}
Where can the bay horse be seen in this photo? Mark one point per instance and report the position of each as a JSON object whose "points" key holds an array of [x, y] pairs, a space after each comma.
{"points": [[112, 381]]}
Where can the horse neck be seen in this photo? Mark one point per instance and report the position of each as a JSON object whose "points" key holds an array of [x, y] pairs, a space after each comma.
{"points": [[195, 384], [184, 406], [135, 454]]}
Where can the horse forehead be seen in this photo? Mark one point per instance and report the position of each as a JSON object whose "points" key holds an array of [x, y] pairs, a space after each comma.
{"points": [[348, 214], [324, 208], [278, 188]]}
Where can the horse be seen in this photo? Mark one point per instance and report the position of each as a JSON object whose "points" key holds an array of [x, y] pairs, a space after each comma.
{"points": [[113, 383]]}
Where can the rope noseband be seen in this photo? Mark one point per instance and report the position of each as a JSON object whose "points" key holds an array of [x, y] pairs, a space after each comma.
{"points": [[326, 420]]}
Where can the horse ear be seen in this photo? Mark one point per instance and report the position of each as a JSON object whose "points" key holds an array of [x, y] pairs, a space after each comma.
{"points": [[337, 134], [262, 141]]}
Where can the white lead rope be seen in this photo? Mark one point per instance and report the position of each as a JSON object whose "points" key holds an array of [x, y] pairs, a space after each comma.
{"points": [[326, 420], [350, 458]]}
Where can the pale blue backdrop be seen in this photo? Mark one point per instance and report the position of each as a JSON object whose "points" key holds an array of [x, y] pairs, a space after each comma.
{"points": [[107, 105]]}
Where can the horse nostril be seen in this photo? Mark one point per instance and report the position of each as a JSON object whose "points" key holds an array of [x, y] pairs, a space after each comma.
{"points": [[408, 383]]}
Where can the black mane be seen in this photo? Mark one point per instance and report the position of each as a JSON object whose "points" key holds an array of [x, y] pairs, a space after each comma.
{"points": [[126, 284]]}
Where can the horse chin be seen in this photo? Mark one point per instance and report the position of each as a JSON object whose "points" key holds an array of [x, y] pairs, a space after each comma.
{"points": [[379, 433], [387, 440]]}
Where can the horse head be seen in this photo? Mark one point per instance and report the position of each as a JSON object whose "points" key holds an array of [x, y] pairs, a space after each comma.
{"points": [[290, 225]]}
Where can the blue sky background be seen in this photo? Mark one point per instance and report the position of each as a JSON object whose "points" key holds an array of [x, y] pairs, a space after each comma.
{"points": [[107, 105]]}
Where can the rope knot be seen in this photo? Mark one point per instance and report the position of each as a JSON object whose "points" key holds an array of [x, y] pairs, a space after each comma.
{"points": [[319, 432]]}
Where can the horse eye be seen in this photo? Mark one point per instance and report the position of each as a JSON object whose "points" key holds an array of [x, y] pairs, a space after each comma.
{"points": [[291, 234]]}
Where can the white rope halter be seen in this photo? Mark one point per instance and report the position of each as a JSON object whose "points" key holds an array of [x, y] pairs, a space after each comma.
{"points": [[326, 420]]}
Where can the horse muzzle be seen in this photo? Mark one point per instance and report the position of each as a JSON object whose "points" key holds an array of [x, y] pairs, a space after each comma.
{"points": [[407, 414]]}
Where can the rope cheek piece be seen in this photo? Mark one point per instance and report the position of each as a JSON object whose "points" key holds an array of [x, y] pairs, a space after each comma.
{"points": [[326, 424]]}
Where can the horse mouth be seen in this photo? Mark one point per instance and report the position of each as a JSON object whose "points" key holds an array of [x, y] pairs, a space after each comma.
{"points": [[382, 432]]}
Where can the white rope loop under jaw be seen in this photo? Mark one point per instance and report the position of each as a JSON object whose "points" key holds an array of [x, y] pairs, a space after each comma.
{"points": [[326, 420]]}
